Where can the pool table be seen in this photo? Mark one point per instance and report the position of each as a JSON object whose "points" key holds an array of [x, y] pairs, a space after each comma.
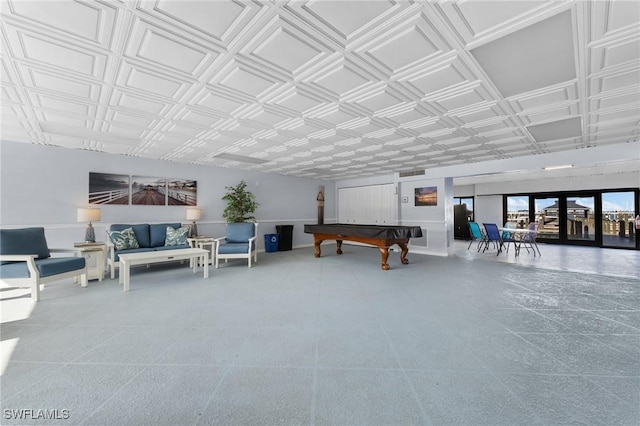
{"points": [[380, 236]]}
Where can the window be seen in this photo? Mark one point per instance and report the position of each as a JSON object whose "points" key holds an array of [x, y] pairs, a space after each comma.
{"points": [[468, 201], [518, 210]]}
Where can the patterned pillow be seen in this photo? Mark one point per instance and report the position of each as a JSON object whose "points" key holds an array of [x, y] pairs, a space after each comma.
{"points": [[124, 240], [176, 237]]}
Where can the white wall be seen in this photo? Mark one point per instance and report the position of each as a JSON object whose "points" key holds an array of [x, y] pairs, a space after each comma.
{"points": [[44, 185], [436, 221], [488, 209], [488, 196], [578, 183]]}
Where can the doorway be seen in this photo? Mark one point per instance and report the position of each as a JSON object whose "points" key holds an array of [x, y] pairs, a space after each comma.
{"points": [[593, 218], [618, 220]]}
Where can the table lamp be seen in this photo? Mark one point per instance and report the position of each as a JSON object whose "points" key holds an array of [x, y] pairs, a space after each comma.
{"points": [[89, 215], [194, 214]]}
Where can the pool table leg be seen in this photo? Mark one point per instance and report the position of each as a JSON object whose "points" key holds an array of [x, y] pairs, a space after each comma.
{"points": [[403, 254], [316, 244], [384, 252], [339, 246]]}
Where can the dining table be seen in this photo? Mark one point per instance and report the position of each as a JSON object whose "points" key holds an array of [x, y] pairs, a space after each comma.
{"points": [[522, 237]]}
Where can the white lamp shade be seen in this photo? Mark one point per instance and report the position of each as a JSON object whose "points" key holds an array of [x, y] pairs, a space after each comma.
{"points": [[88, 215], [194, 214]]}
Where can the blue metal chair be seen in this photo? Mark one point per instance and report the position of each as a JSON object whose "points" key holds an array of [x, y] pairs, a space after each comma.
{"points": [[476, 234], [493, 236], [511, 237]]}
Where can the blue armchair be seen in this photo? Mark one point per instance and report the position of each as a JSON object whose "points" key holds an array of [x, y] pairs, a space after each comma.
{"points": [[239, 243], [25, 260]]}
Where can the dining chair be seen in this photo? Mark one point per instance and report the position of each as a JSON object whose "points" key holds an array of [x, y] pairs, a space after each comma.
{"points": [[476, 234], [510, 237], [530, 239], [493, 236]]}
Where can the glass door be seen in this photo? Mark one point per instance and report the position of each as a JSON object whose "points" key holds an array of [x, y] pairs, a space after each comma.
{"points": [[518, 210], [600, 218], [579, 217], [547, 212], [618, 219]]}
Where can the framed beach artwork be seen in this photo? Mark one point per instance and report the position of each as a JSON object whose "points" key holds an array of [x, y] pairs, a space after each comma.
{"points": [[182, 192], [105, 188], [148, 191], [426, 196]]}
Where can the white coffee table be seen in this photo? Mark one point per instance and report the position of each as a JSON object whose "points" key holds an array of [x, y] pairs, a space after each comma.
{"points": [[131, 259]]}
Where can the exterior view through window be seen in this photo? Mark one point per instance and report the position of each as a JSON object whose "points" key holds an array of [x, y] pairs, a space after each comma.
{"points": [[596, 218], [618, 219]]}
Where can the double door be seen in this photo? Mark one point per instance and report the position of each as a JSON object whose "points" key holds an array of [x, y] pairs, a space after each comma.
{"points": [[602, 219]]}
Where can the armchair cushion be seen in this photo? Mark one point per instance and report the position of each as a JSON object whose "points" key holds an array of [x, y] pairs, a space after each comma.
{"points": [[158, 233], [240, 233], [176, 237], [233, 248], [24, 241], [124, 240], [46, 267], [141, 233]]}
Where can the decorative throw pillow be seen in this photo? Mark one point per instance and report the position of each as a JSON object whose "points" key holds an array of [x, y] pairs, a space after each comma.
{"points": [[176, 237], [124, 240]]}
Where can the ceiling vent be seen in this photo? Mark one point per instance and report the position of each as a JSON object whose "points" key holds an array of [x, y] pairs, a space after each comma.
{"points": [[412, 173]]}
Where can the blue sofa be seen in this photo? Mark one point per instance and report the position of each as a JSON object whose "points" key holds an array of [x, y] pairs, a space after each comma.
{"points": [[149, 237], [26, 261]]}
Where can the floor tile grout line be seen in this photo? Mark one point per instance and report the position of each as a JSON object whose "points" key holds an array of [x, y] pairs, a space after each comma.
{"points": [[416, 398], [226, 371], [314, 389], [120, 389], [578, 373]]}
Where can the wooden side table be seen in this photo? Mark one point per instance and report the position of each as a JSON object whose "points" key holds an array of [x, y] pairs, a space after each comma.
{"points": [[203, 242], [95, 255]]}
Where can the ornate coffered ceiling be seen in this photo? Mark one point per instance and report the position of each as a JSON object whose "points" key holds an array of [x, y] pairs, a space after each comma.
{"points": [[322, 89]]}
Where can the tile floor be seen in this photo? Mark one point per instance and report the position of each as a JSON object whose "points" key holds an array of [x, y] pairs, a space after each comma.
{"points": [[467, 339]]}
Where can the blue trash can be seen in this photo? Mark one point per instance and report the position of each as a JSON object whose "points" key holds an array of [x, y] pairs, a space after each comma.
{"points": [[271, 243]]}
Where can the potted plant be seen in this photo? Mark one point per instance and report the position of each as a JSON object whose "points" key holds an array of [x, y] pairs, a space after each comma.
{"points": [[241, 204]]}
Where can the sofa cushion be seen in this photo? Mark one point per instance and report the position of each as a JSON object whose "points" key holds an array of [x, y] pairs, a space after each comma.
{"points": [[239, 232], [46, 267], [24, 241], [141, 231], [158, 233], [233, 248], [124, 240], [176, 237]]}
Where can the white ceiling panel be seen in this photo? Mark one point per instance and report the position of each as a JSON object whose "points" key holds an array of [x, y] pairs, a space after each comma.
{"points": [[215, 19], [149, 82], [159, 48], [44, 51], [90, 22], [319, 88]]}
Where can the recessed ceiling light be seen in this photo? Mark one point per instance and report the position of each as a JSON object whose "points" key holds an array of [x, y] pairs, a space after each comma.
{"points": [[562, 166], [240, 158]]}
